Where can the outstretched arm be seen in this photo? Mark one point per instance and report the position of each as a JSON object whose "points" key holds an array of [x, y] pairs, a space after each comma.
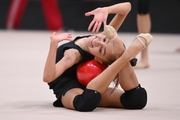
{"points": [[101, 14]]}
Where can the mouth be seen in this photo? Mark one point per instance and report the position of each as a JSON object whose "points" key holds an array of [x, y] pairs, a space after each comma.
{"points": [[92, 41]]}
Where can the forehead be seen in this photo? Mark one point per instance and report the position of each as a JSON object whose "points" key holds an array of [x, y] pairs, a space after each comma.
{"points": [[101, 34]]}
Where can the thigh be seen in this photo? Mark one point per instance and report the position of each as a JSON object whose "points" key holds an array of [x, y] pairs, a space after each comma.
{"points": [[67, 99], [111, 98]]}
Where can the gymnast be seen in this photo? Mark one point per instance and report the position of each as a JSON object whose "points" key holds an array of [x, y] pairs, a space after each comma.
{"points": [[105, 47]]}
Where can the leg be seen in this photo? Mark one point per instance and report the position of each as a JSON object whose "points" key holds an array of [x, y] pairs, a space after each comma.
{"points": [[80, 100], [15, 13], [110, 98], [52, 14], [144, 26], [127, 78], [67, 99], [134, 97], [114, 68]]}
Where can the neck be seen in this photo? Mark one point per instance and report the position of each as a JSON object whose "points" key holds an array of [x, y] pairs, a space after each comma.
{"points": [[82, 43]]}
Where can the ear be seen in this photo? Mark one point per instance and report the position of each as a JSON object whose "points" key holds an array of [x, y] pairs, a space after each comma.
{"points": [[98, 59]]}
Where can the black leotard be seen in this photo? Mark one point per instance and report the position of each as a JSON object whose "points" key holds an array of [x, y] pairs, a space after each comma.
{"points": [[68, 79]]}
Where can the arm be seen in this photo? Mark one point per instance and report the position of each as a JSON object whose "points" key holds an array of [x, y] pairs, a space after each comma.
{"points": [[51, 69], [100, 16]]}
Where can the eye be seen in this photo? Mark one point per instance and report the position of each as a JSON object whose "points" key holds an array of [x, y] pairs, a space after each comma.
{"points": [[100, 50], [104, 40]]}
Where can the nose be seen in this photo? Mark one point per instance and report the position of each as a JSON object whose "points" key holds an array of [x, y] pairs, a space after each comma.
{"points": [[98, 42]]}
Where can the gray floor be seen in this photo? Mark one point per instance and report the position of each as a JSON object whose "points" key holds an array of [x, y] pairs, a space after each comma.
{"points": [[23, 95]]}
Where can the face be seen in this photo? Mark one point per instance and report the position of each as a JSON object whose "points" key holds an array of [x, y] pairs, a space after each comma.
{"points": [[100, 47]]}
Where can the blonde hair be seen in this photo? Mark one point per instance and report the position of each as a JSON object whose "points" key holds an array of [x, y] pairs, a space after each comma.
{"points": [[111, 34]]}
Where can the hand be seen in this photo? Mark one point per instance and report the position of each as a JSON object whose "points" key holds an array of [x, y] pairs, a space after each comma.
{"points": [[100, 16], [60, 37]]}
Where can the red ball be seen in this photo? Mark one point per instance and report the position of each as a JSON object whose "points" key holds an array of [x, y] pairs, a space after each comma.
{"points": [[88, 70]]}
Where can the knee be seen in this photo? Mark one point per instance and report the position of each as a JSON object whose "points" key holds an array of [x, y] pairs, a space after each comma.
{"points": [[87, 101], [143, 6], [135, 98]]}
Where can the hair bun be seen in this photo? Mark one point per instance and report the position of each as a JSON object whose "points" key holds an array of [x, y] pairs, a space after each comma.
{"points": [[110, 32]]}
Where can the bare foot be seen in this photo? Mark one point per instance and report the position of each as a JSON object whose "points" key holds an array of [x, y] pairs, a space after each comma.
{"points": [[143, 61], [142, 65]]}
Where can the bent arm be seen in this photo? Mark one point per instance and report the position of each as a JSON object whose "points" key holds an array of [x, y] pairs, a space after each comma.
{"points": [[101, 14], [121, 10], [52, 69], [49, 69]]}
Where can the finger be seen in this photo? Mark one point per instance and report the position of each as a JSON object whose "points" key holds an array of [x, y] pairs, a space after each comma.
{"points": [[69, 34], [88, 13], [90, 25], [104, 23], [54, 33], [98, 27], [70, 38], [95, 26]]}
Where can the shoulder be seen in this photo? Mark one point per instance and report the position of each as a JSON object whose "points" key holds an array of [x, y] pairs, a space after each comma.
{"points": [[72, 55], [71, 52]]}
